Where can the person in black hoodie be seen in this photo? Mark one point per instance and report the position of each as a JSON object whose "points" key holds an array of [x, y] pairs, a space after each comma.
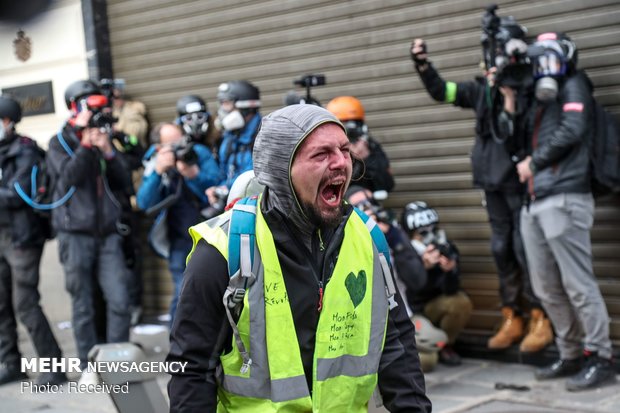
{"points": [[494, 172], [557, 219], [21, 245], [310, 275], [84, 163]]}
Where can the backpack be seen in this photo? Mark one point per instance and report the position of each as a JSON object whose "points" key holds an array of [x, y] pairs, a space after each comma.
{"points": [[605, 152], [40, 195], [242, 268]]}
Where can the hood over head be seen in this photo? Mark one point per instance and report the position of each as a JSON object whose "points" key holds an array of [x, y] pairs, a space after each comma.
{"points": [[278, 139]]}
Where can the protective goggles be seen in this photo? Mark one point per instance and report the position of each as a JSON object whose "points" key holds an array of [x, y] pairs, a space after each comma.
{"points": [[356, 130], [195, 117]]}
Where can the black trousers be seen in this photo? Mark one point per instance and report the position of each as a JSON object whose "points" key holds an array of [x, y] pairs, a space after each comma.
{"points": [[19, 296], [515, 288]]}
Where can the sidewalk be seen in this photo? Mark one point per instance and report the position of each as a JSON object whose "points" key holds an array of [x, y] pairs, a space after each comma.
{"points": [[468, 388]]}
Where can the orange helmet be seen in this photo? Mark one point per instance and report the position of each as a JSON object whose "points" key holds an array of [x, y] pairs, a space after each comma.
{"points": [[346, 108]]}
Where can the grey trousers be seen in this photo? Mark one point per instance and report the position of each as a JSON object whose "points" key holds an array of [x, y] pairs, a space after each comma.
{"points": [[556, 236], [19, 296]]}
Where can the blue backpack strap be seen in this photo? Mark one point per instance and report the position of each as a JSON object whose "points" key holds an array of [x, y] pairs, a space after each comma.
{"points": [[241, 244], [384, 255], [241, 235]]}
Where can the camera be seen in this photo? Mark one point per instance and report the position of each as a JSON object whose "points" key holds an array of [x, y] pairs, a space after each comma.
{"points": [[221, 193], [310, 80], [438, 239], [101, 114], [307, 81], [184, 152], [504, 48]]}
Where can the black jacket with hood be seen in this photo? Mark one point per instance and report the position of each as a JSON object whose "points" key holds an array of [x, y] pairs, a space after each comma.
{"points": [[492, 166], [93, 209], [18, 155], [561, 131], [303, 257]]}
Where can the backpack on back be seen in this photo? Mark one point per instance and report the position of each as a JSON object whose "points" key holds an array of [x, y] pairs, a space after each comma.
{"points": [[40, 193], [605, 152]]}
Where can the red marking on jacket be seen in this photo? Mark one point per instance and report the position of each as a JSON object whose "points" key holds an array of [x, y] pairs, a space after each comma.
{"points": [[573, 107]]}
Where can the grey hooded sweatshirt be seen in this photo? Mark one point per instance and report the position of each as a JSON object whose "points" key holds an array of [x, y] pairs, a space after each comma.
{"points": [[281, 134]]}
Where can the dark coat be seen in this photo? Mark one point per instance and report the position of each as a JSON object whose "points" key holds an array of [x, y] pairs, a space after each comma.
{"points": [[18, 155], [93, 209]]}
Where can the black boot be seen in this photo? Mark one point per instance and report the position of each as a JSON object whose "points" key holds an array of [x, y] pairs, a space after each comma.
{"points": [[596, 372], [559, 368], [9, 373]]}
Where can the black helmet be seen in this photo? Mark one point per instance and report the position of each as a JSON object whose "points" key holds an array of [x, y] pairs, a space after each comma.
{"points": [[9, 108], [190, 104], [417, 215], [79, 89], [243, 93]]}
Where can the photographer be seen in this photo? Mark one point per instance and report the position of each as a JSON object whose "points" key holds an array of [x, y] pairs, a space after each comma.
{"points": [[21, 245], [439, 297], [176, 174], [196, 121], [238, 116], [558, 217], [494, 171], [83, 160], [371, 168]]}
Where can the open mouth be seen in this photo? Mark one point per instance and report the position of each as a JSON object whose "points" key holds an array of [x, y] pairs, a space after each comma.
{"points": [[331, 193]]}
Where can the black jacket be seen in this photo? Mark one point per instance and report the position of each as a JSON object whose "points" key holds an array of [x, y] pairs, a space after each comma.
{"points": [[93, 209], [18, 155], [200, 317], [491, 162], [560, 133], [375, 170]]}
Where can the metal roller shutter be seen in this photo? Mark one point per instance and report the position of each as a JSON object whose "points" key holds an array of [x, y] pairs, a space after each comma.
{"points": [[165, 49]]}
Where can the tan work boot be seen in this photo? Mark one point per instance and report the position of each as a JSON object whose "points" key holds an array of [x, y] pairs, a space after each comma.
{"points": [[510, 331], [539, 335]]}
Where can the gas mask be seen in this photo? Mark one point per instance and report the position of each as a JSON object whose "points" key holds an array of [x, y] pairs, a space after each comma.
{"points": [[546, 89], [230, 120], [4, 130], [195, 124]]}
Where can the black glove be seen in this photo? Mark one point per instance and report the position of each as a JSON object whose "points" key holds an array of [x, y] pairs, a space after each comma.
{"points": [[416, 56]]}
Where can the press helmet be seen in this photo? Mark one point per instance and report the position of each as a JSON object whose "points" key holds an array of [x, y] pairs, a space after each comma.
{"points": [[79, 89], [243, 93], [9, 108], [417, 215], [190, 104]]}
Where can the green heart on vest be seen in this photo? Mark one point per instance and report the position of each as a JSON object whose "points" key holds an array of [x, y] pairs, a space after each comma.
{"points": [[356, 286]]}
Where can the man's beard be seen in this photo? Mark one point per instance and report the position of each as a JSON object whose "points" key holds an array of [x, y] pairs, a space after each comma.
{"points": [[315, 217]]}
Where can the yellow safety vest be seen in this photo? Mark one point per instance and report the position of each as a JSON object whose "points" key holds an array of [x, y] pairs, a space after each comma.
{"points": [[349, 338]]}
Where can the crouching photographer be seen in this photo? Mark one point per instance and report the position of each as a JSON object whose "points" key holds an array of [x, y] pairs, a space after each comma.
{"points": [[439, 297], [176, 174]]}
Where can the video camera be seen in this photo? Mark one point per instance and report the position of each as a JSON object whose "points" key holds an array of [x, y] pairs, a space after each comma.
{"points": [[504, 48], [307, 81], [98, 106]]}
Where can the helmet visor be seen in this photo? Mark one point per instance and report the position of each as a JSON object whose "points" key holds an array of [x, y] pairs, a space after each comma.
{"points": [[548, 64]]}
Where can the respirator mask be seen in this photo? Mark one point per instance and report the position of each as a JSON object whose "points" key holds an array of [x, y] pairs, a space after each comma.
{"points": [[230, 120], [4, 130]]}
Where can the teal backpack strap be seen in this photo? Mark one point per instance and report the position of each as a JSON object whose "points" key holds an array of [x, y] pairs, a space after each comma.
{"points": [[241, 245], [384, 255]]}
